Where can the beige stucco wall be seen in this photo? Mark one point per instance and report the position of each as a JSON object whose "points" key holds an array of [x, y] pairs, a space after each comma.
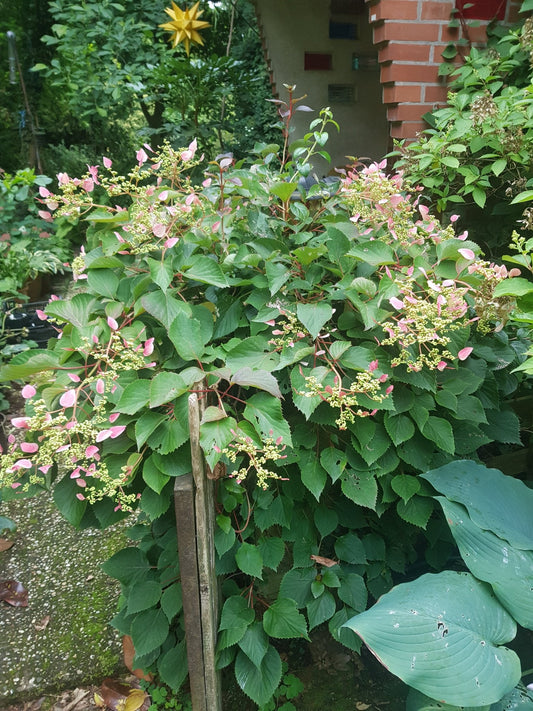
{"points": [[293, 27]]}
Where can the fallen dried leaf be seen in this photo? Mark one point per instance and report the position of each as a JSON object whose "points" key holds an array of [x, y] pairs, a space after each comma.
{"points": [[360, 706], [42, 624], [14, 593], [327, 562], [128, 652], [5, 545]]}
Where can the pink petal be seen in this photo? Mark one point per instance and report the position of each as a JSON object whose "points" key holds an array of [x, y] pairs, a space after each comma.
{"points": [[464, 353], [75, 378], [171, 242], [107, 162], [397, 303], [68, 399], [373, 366], [441, 365], [114, 417], [47, 216], [116, 431], [81, 482], [44, 192], [467, 253], [91, 450], [41, 315], [81, 497], [100, 386], [141, 156], [112, 323], [29, 447], [20, 423], [23, 464], [148, 347], [45, 468], [159, 230], [103, 434], [28, 391]]}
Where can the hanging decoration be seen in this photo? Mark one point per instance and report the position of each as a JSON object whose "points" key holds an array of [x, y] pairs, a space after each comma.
{"points": [[185, 25]]}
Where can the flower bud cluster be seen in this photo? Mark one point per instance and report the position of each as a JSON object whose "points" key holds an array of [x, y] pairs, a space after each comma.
{"points": [[271, 451]]}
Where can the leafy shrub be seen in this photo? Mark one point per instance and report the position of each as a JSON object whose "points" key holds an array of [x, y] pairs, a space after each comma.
{"points": [[28, 244], [342, 342], [477, 154]]}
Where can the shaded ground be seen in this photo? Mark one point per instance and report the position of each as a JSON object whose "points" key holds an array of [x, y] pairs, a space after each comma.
{"points": [[62, 638]]}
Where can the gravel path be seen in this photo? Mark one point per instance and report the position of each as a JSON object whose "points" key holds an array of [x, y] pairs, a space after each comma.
{"points": [[62, 639]]}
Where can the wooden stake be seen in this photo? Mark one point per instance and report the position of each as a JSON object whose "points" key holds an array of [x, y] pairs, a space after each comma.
{"points": [[195, 523]]}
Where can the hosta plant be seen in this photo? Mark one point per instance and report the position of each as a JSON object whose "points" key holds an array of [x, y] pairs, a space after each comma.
{"points": [[443, 633], [342, 341]]}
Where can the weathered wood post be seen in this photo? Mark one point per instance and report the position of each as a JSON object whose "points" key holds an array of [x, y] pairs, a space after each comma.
{"points": [[195, 523]]}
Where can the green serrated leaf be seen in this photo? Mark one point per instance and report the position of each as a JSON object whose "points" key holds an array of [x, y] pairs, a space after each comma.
{"points": [[283, 621]]}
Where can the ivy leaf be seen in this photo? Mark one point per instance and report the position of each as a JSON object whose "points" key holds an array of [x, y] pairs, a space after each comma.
{"points": [[205, 270], [416, 511], [235, 618], [259, 683], [250, 560], [361, 488], [314, 316], [152, 476], [186, 335], [149, 630], [142, 595], [399, 427], [314, 476], [320, 609], [264, 412], [440, 431], [165, 387], [405, 486], [261, 379], [255, 643], [164, 307], [283, 621], [135, 396], [172, 666]]}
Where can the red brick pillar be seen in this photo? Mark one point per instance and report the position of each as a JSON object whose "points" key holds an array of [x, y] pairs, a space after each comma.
{"points": [[410, 36]]}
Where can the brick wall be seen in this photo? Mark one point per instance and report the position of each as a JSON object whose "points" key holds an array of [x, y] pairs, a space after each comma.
{"points": [[410, 36]]}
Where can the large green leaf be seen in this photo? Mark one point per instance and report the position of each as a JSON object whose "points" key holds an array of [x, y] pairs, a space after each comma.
{"points": [[164, 307], [314, 476], [250, 560], [320, 609], [264, 412], [165, 387], [149, 630], [142, 595], [283, 621], [507, 569], [77, 310], [375, 253], [172, 666], [235, 618], [186, 335], [255, 643], [440, 634], [361, 487], [314, 316], [261, 379], [136, 395], [206, 270], [259, 682], [495, 502]]}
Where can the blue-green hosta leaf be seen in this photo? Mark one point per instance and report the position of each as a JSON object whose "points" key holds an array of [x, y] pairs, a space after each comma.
{"points": [[416, 701], [314, 316], [441, 634], [259, 683], [519, 699], [495, 502], [508, 570]]}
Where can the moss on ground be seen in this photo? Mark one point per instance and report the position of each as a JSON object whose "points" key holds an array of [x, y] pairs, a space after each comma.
{"points": [[62, 639]]}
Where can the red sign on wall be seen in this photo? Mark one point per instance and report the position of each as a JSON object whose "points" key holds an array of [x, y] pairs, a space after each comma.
{"points": [[482, 9]]}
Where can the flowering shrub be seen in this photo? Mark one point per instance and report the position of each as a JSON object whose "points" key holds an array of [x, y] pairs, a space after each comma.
{"points": [[343, 342]]}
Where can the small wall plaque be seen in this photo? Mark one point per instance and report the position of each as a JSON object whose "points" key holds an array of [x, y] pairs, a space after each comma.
{"points": [[365, 62], [316, 61]]}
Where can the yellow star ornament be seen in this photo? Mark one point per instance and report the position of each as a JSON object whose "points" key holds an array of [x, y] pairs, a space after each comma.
{"points": [[185, 25]]}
